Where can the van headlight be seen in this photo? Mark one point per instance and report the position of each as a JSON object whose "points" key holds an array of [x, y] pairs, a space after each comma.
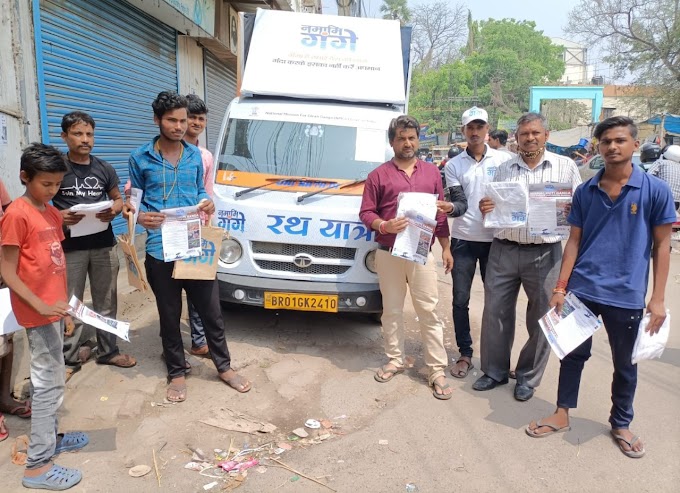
{"points": [[230, 251], [370, 261]]}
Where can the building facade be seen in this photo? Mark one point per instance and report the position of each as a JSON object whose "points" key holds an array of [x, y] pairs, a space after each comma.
{"points": [[110, 58]]}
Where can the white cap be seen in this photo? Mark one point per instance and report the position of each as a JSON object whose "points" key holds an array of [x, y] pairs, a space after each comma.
{"points": [[475, 113], [672, 153]]}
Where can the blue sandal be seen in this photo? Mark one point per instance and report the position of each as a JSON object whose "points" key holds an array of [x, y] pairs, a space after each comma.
{"points": [[57, 478], [74, 440]]}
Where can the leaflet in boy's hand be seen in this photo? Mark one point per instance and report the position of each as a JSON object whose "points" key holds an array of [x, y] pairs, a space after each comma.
{"points": [[90, 317]]}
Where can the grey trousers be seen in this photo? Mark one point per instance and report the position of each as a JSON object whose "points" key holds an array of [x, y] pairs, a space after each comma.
{"points": [[47, 381], [101, 265], [536, 268]]}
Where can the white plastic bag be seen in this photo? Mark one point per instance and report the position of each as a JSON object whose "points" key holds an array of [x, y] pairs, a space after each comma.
{"points": [[648, 346]]}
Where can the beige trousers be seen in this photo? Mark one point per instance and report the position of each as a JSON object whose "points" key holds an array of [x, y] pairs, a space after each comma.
{"points": [[394, 274]]}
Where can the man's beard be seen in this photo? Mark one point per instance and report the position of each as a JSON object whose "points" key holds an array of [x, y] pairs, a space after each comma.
{"points": [[531, 154]]}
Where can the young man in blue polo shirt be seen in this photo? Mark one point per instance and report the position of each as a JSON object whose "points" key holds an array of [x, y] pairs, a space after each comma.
{"points": [[619, 218]]}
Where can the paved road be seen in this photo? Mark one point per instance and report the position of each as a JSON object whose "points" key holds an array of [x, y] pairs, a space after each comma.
{"points": [[307, 365]]}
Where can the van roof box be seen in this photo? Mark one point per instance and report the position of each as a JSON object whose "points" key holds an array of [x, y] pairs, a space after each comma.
{"points": [[313, 56]]}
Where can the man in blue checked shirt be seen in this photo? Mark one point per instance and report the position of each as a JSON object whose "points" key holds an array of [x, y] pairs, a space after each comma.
{"points": [[170, 174]]}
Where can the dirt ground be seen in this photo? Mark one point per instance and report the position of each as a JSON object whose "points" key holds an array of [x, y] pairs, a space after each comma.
{"points": [[392, 437]]}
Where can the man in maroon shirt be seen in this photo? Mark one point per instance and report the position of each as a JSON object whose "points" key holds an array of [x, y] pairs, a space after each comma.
{"points": [[406, 173]]}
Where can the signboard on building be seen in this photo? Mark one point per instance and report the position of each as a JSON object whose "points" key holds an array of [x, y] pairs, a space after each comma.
{"points": [[200, 12]]}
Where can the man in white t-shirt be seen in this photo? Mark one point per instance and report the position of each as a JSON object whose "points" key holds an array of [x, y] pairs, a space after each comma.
{"points": [[469, 172]]}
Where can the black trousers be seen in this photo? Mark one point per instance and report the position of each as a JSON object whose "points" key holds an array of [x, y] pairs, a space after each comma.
{"points": [[205, 297]]}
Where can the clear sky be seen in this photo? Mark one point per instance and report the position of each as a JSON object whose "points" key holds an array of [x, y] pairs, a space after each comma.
{"points": [[550, 16]]}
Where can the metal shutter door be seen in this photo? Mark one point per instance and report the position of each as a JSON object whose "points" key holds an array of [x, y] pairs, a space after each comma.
{"points": [[110, 60], [220, 89]]}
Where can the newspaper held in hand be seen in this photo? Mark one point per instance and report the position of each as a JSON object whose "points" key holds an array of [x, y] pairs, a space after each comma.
{"points": [[90, 224], [647, 345], [549, 205], [90, 317], [571, 327], [414, 242], [136, 201], [181, 233], [511, 205]]}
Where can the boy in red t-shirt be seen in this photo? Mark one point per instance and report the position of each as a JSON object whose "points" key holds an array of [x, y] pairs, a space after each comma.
{"points": [[34, 269]]}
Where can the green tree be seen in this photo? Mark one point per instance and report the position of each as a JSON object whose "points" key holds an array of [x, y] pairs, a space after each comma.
{"points": [[511, 56], [396, 10], [640, 37], [439, 97]]}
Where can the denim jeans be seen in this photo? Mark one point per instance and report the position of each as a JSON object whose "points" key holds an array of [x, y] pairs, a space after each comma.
{"points": [[101, 266], [465, 256], [622, 328], [196, 325], [47, 379]]}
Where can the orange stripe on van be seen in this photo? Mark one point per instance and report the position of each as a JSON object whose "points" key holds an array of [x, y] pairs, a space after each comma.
{"points": [[246, 179]]}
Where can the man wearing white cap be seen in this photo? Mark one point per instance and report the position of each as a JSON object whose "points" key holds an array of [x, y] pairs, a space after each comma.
{"points": [[466, 176]]}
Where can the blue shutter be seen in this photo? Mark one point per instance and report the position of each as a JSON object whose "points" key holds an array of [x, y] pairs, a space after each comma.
{"points": [[110, 60]]}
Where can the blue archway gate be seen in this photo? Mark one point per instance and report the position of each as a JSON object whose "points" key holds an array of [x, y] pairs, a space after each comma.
{"points": [[594, 93]]}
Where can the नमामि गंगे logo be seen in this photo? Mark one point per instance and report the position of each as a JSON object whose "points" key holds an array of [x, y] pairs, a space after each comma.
{"points": [[340, 38]]}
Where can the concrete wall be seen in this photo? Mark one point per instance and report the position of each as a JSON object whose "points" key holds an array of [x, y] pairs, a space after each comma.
{"points": [[19, 111], [191, 73]]}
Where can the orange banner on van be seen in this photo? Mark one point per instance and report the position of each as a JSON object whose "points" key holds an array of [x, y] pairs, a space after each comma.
{"points": [[246, 179]]}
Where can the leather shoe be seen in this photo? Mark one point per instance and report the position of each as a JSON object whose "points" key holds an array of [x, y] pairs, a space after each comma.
{"points": [[523, 392], [487, 383]]}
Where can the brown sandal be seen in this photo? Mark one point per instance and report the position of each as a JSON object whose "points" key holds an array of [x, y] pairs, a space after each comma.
{"points": [[121, 361], [176, 392], [380, 374], [462, 373]]}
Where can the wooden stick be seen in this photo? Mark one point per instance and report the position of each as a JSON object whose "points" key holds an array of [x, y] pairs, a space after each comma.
{"points": [[231, 444], [300, 474], [155, 466]]}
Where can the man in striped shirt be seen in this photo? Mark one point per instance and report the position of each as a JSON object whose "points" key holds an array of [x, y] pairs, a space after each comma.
{"points": [[518, 257]]}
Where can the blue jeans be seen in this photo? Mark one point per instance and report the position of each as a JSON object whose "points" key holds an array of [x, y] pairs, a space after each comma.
{"points": [[196, 325], [47, 379], [622, 328], [465, 256]]}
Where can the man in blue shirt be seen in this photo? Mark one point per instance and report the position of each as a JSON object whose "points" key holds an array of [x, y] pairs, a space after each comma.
{"points": [[170, 174], [619, 218]]}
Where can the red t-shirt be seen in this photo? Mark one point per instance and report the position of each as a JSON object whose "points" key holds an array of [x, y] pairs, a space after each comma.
{"points": [[42, 264]]}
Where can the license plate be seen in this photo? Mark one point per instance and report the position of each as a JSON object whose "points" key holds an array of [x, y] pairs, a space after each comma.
{"points": [[301, 302]]}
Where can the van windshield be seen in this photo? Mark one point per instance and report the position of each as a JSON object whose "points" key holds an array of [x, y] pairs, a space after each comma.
{"points": [[302, 149]]}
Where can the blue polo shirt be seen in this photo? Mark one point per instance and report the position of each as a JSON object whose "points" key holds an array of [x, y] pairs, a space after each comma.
{"points": [[612, 266]]}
